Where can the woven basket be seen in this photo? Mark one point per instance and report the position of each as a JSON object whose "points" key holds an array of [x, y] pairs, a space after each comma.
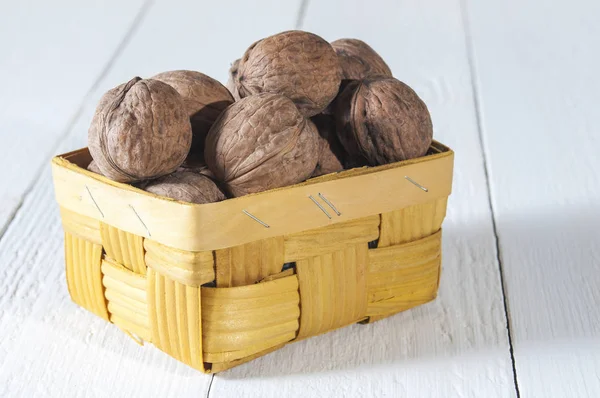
{"points": [[219, 284]]}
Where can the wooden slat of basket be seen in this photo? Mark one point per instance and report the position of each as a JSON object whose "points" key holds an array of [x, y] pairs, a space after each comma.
{"points": [[241, 321], [125, 292], [84, 278], [188, 268], [126, 248], [403, 276], [249, 263], [84, 227], [333, 289], [412, 222], [221, 225], [175, 318], [316, 242]]}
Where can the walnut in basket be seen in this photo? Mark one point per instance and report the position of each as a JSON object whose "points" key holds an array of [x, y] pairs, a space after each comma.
{"points": [[231, 81], [331, 152], [261, 142], [205, 98], [186, 186], [140, 130], [382, 120], [358, 60], [300, 65]]}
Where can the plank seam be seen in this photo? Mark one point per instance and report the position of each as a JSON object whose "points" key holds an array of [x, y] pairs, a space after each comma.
{"points": [[478, 116], [121, 46], [210, 385], [301, 14]]}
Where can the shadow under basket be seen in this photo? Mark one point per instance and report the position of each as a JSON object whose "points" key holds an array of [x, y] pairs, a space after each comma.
{"points": [[219, 284]]}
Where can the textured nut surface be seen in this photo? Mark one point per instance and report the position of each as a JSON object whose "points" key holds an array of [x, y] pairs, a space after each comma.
{"points": [[233, 72], [204, 98], [300, 65], [140, 130], [186, 186], [383, 120], [261, 142], [331, 152], [358, 60], [93, 167]]}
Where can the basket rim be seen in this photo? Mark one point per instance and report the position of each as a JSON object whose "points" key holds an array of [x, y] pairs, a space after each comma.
{"points": [[71, 182]]}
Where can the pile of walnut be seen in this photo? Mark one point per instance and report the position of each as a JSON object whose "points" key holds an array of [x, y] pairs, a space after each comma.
{"points": [[295, 107]]}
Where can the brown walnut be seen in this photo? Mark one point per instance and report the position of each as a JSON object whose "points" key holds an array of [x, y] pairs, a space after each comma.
{"points": [[383, 120], [140, 130], [261, 142], [204, 98], [299, 65], [331, 152], [358, 60], [233, 72], [186, 186], [93, 167]]}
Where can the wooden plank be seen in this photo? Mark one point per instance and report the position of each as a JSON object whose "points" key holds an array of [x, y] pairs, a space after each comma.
{"points": [[52, 55], [456, 345], [538, 83], [49, 346]]}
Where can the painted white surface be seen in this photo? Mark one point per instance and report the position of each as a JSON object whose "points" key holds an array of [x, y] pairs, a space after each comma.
{"points": [[456, 346], [51, 53], [537, 67]]}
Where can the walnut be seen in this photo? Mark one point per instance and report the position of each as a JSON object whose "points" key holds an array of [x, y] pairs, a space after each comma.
{"points": [[383, 120], [331, 152], [186, 186], [233, 72], [358, 60], [140, 130], [204, 98], [199, 169], [93, 167], [300, 65], [261, 142]]}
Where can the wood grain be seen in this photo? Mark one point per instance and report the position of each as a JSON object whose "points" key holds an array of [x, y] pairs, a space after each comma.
{"points": [[538, 86]]}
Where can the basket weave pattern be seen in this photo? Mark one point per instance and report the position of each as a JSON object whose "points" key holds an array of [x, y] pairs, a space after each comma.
{"points": [[215, 309]]}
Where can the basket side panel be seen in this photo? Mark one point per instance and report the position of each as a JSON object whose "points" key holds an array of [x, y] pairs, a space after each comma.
{"points": [[403, 276], [83, 256], [188, 268], [84, 277], [249, 263], [125, 292], [326, 240], [332, 289], [242, 322], [175, 314], [412, 222], [124, 247]]}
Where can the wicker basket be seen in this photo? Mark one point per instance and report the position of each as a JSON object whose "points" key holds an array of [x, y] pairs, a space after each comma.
{"points": [[219, 284]]}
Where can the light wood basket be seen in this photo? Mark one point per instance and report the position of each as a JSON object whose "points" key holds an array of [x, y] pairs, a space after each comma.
{"points": [[219, 284]]}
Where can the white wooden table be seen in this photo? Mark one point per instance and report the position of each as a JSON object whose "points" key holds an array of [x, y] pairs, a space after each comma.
{"points": [[513, 88]]}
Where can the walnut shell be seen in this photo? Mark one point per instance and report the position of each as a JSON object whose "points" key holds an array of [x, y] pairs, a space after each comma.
{"points": [[140, 130], [358, 60], [186, 186], [261, 142], [300, 65], [199, 169], [233, 72], [331, 152], [93, 167], [383, 120], [204, 97]]}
